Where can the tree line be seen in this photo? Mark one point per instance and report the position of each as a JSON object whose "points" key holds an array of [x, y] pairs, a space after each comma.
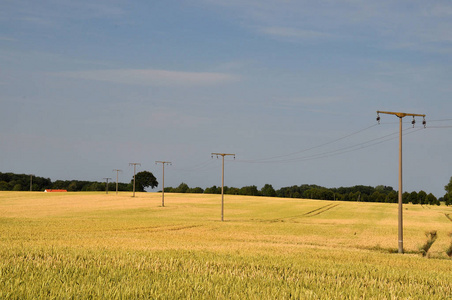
{"points": [[22, 182], [358, 193], [144, 179]]}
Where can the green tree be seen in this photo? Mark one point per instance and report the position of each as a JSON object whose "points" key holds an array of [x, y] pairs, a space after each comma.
{"points": [[17, 187], [377, 197], [405, 198], [268, 191], [448, 189], [143, 180], [4, 186], [447, 199], [213, 190], [182, 188], [233, 191], [196, 190], [431, 199], [249, 190], [413, 198], [422, 197], [392, 197]]}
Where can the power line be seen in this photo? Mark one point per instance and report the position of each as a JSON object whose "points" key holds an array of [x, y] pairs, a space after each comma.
{"points": [[222, 180], [197, 167], [163, 179], [351, 148], [31, 182], [400, 204], [311, 148], [106, 186], [134, 172], [117, 172]]}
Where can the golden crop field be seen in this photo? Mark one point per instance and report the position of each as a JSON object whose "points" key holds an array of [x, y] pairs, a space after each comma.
{"points": [[98, 246]]}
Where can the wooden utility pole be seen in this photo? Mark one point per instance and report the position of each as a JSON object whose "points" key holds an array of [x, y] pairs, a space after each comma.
{"points": [[163, 178], [31, 182], [134, 172], [106, 185], [222, 181], [117, 172], [401, 116]]}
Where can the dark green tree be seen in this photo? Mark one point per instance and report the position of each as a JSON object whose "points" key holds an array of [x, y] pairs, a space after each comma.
{"points": [[196, 190], [448, 189], [431, 199], [422, 198], [249, 191], [447, 199], [268, 191], [405, 198], [182, 188], [143, 180], [213, 190], [392, 197], [413, 198]]}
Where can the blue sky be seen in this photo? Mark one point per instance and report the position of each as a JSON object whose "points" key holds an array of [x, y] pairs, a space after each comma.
{"points": [[87, 87]]}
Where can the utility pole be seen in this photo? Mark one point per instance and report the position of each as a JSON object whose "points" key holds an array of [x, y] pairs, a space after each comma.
{"points": [[222, 181], [106, 185], [401, 116], [134, 172], [117, 172], [31, 182], [163, 179]]}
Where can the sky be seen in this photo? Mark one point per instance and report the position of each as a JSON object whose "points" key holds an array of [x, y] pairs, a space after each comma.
{"points": [[290, 87]]}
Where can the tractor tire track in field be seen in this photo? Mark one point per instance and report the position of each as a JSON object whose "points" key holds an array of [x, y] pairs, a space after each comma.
{"points": [[320, 210], [448, 216], [311, 213], [159, 228]]}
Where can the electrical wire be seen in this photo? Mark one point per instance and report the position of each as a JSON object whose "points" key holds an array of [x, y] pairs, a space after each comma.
{"points": [[205, 165], [339, 151], [288, 158], [308, 149]]}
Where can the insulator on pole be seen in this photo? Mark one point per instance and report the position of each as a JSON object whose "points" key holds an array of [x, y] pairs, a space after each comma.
{"points": [[378, 118], [413, 122], [424, 123]]}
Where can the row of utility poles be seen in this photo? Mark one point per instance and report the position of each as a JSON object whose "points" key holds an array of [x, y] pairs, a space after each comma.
{"points": [[400, 115], [163, 178], [134, 174]]}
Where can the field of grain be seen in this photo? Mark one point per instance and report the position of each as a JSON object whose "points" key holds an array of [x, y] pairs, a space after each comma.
{"points": [[93, 245]]}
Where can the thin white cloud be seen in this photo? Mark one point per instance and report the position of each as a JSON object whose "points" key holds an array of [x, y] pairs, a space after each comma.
{"points": [[8, 39], [294, 33], [153, 77], [319, 100], [415, 25], [52, 13]]}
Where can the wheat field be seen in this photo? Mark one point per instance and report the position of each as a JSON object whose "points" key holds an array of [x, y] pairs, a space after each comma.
{"points": [[99, 246]]}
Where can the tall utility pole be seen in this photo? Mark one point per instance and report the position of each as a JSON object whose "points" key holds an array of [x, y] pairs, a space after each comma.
{"points": [[401, 116], [106, 185], [117, 172], [31, 182], [163, 179], [222, 181], [134, 172]]}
